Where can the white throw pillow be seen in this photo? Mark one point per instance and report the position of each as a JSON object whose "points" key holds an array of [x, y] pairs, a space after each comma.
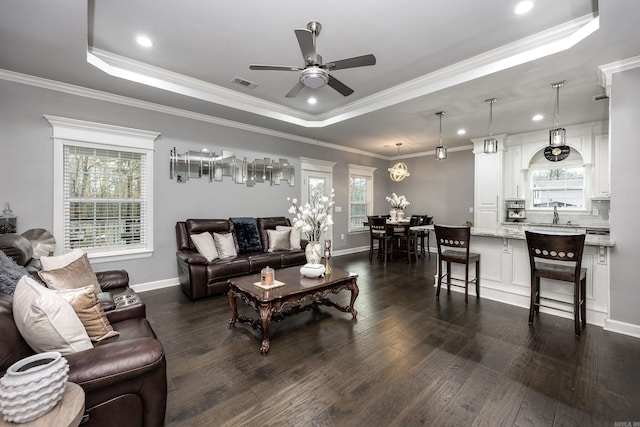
{"points": [[205, 245], [60, 261], [279, 240], [225, 245], [294, 237], [46, 321]]}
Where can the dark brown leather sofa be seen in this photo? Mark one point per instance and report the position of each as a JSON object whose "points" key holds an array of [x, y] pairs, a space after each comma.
{"points": [[123, 377], [199, 278]]}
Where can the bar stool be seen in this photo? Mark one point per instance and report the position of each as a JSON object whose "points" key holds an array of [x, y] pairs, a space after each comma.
{"points": [[565, 254], [408, 240], [456, 238]]}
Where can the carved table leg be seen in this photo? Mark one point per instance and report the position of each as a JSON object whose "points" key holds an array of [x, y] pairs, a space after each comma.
{"points": [[265, 321], [354, 294], [234, 307]]}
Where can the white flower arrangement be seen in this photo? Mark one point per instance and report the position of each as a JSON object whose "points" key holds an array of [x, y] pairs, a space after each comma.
{"points": [[314, 217], [398, 202]]}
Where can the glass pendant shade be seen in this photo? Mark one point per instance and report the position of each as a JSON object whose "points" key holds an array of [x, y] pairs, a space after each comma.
{"points": [[399, 171], [558, 135], [490, 144], [441, 150]]}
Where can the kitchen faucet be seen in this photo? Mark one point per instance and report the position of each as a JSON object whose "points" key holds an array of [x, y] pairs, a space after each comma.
{"points": [[556, 217]]}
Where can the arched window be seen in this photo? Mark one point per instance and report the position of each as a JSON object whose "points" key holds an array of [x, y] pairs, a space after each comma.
{"points": [[558, 184]]}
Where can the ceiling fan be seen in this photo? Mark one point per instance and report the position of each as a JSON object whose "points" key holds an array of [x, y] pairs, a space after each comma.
{"points": [[315, 74]]}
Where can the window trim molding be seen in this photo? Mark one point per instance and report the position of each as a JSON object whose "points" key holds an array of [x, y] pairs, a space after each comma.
{"points": [[68, 131], [368, 172]]}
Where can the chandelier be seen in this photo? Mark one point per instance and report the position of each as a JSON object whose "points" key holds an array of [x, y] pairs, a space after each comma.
{"points": [[399, 171]]}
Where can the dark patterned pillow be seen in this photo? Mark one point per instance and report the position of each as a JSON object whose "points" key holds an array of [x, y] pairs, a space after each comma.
{"points": [[246, 230], [10, 273]]}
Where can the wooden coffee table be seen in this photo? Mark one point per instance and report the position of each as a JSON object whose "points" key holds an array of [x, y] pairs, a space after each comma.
{"points": [[298, 294]]}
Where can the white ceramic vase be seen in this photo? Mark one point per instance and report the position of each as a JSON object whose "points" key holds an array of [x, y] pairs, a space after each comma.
{"points": [[393, 214], [32, 386], [400, 214], [313, 252]]}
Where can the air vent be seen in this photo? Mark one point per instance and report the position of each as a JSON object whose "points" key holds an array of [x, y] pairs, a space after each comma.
{"points": [[243, 82], [601, 97]]}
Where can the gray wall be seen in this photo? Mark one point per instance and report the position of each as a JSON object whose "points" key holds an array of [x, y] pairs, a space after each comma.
{"points": [[625, 197], [441, 188]]}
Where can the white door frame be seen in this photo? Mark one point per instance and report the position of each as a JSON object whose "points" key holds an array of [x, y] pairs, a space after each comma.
{"points": [[321, 168]]}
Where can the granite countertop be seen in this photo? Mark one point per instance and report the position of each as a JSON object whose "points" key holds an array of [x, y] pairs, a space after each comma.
{"points": [[590, 240], [560, 225]]}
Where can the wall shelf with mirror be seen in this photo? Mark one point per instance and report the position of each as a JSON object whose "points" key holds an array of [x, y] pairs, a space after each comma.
{"points": [[202, 164]]}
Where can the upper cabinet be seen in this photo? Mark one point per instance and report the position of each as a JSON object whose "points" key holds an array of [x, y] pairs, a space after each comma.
{"points": [[513, 182], [601, 166]]}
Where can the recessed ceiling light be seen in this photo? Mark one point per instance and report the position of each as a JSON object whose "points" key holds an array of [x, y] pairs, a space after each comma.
{"points": [[312, 100], [537, 117], [523, 7], [144, 41], [461, 131]]}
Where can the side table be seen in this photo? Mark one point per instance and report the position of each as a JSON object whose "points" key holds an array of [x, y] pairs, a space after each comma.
{"points": [[67, 413]]}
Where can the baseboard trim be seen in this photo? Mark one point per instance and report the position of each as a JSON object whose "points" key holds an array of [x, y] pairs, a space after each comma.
{"points": [[159, 284], [622, 327]]}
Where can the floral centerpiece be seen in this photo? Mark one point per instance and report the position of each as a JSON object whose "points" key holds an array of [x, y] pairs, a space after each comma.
{"points": [[313, 218], [398, 205]]}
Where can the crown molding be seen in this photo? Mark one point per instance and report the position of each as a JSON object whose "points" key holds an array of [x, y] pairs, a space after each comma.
{"points": [[606, 71], [145, 105], [548, 42]]}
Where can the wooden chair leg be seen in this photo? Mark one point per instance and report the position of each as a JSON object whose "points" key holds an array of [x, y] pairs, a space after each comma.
{"points": [[533, 299], [466, 283], [439, 278], [576, 306], [583, 298], [371, 252], [478, 279], [448, 277]]}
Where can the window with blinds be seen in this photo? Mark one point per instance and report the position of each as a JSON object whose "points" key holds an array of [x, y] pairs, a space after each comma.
{"points": [[104, 198], [360, 196]]}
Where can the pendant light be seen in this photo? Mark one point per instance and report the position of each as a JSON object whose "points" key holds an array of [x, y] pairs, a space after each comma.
{"points": [[557, 135], [441, 150], [399, 171], [491, 144]]}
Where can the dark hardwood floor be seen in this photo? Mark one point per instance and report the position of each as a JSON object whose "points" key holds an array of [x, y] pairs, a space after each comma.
{"points": [[409, 359]]}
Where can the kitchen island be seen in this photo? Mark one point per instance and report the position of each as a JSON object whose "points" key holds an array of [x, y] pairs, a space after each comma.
{"points": [[505, 272]]}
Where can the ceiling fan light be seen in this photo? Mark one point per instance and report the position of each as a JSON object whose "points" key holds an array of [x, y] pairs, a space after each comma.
{"points": [[314, 78], [490, 145], [557, 137]]}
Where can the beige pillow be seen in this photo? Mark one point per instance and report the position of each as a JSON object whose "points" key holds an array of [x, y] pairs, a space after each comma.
{"points": [[77, 274], [205, 245], [225, 245], [46, 321], [56, 262], [294, 238], [279, 240], [86, 305]]}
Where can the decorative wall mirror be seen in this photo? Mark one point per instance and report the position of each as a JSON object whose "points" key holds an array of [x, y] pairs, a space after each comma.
{"points": [[198, 164]]}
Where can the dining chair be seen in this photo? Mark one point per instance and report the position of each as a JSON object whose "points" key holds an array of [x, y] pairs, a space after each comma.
{"points": [[424, 220], [381, 233], [453, 247], [408, 240], [558, 257]]}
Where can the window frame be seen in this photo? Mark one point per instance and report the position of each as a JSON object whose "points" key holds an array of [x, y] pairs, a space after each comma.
{"points": [[72, 132], [366, 172], [540, 164]]}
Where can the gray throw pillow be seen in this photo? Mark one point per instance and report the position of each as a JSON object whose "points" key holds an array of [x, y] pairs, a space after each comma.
{"points": [[225, 245], [10, 273], [279, 240]]}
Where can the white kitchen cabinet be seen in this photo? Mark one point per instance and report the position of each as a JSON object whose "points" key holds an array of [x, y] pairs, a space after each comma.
{"points": [[488, 186], [514, 188], [602, 167]]}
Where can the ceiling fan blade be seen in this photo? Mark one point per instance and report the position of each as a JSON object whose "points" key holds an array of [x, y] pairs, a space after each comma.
{"points": [[294, 90], [305, 40], [356, 61], [274, 67], [339, 86]]}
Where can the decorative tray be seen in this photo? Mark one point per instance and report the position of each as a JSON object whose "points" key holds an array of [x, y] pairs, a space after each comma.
{"points": [[275, 284]]}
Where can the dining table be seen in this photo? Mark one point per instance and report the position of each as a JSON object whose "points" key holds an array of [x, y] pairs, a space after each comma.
{"points": [[401, 226]]}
